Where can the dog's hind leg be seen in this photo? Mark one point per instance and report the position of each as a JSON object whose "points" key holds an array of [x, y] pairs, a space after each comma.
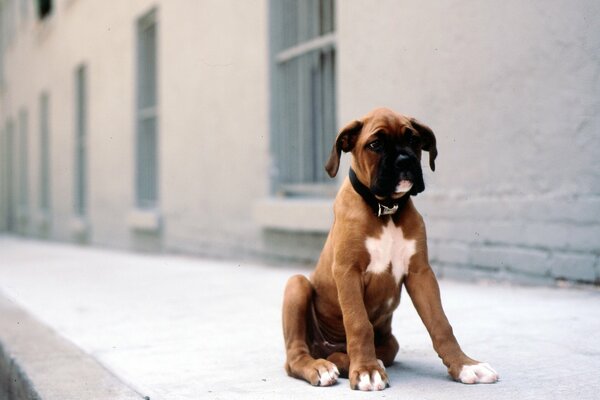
{"points": [[299, 363], [386, 353], [342, 362], [387, 349]]}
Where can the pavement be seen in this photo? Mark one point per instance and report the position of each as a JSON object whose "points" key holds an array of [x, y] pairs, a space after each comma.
{"points": [[81, 322]]}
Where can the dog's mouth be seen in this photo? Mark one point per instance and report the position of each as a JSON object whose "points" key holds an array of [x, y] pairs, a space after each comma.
{"points": [[392, 184], [403, 186]]}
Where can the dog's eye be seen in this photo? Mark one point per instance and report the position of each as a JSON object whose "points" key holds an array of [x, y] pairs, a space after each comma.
{"points": [[375, 146]]}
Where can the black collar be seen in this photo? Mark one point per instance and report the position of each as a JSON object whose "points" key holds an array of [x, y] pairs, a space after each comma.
{"points": [[378, 208]]}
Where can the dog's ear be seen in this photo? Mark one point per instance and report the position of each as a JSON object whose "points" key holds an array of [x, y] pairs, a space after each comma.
{"points": [[428, 139], [345, 142]]}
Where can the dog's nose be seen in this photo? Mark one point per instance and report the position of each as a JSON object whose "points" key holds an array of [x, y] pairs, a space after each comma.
{"points": [[401, 160]]}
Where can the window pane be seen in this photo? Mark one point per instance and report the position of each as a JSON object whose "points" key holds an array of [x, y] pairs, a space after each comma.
{"points": [[80, 141], [10, 176], [147, 66], [146, 163], [287, 18], [44, 153], [326, 17], [146, 135], [303, 20], [23, 161]]}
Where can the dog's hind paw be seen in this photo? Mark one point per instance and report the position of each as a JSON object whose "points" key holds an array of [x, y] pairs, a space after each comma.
{"points": [[478, 373]]}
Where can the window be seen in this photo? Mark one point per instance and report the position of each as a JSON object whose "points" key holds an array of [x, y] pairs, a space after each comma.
{"points": [[9, 153], [44, 154], [303, 106], [80, 193], [44, 8], [23, 164], [146, 168]]}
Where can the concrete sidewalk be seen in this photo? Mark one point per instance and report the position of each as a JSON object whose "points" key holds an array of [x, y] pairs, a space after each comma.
{"points": [[171, 327]]}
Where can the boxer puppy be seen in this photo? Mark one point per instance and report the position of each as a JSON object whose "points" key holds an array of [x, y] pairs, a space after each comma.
{"points": [[338, 323]]}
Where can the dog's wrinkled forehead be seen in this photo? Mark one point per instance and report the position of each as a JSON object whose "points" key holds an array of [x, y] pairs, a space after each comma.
{"points": [[385, 120]]}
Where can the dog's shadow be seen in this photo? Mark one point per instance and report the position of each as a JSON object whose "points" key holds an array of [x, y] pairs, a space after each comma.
{"points": [[405, 371]]}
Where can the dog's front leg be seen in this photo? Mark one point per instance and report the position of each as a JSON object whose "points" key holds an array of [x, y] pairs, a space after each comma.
{"points": [[424, 292], [366, 373]]}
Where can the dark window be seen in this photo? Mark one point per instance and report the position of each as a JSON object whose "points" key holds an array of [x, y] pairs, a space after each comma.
{"points": [[44, 8]]}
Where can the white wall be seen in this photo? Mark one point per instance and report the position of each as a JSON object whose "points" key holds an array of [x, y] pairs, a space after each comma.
{"points": [[512, 90], [215, 135]]}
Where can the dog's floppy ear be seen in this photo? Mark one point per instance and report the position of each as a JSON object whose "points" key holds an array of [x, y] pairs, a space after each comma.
{"points": [[345, 142], [428, 139]]}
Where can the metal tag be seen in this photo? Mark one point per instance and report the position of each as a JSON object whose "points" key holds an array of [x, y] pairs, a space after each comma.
{"points": [[383, 210]]}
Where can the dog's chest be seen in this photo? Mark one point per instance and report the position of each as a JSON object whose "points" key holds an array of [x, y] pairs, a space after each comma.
{"points": [[390, 250]]}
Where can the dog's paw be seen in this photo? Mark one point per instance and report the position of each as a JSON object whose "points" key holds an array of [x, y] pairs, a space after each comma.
{"points": [[478, 373], [323, 373], [367, 378]]}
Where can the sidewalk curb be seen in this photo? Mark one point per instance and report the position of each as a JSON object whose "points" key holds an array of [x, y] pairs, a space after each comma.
{"points": [[37, 364]]}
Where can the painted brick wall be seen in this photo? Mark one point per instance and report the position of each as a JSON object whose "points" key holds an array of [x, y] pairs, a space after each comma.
{"points": [[512, 91]]}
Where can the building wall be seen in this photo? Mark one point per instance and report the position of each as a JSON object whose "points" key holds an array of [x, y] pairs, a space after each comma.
{"points": [[216, 162], [212, 119], [511, 89]]}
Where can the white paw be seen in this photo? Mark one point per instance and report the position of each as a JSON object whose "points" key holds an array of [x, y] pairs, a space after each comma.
{"points": [[328, 375], [478, 373], [373, 382]]}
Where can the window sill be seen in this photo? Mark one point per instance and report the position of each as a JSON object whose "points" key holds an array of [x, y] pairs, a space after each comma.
{"points": [[148, 221], [300, 215]]}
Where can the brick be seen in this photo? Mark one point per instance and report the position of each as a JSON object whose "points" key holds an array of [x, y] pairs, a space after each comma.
{"points": [[526, 279], [562, 209], [456, 230], [562, 236], [543, 235], [527, 261], [467, 273], [572, 266], [452, 253], [488, 257]]}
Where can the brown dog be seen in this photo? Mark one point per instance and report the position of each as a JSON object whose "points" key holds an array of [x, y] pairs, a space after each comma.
{"points": [[339, 321]]}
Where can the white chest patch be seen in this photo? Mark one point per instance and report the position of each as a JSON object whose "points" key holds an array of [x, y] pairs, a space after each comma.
{"points": [[390, 248]]}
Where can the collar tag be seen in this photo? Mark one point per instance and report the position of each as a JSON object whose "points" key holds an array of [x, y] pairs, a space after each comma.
{"points": [[383, 210]]}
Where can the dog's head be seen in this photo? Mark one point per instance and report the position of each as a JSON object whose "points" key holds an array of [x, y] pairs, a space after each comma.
{"points": [[386, 149]]}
